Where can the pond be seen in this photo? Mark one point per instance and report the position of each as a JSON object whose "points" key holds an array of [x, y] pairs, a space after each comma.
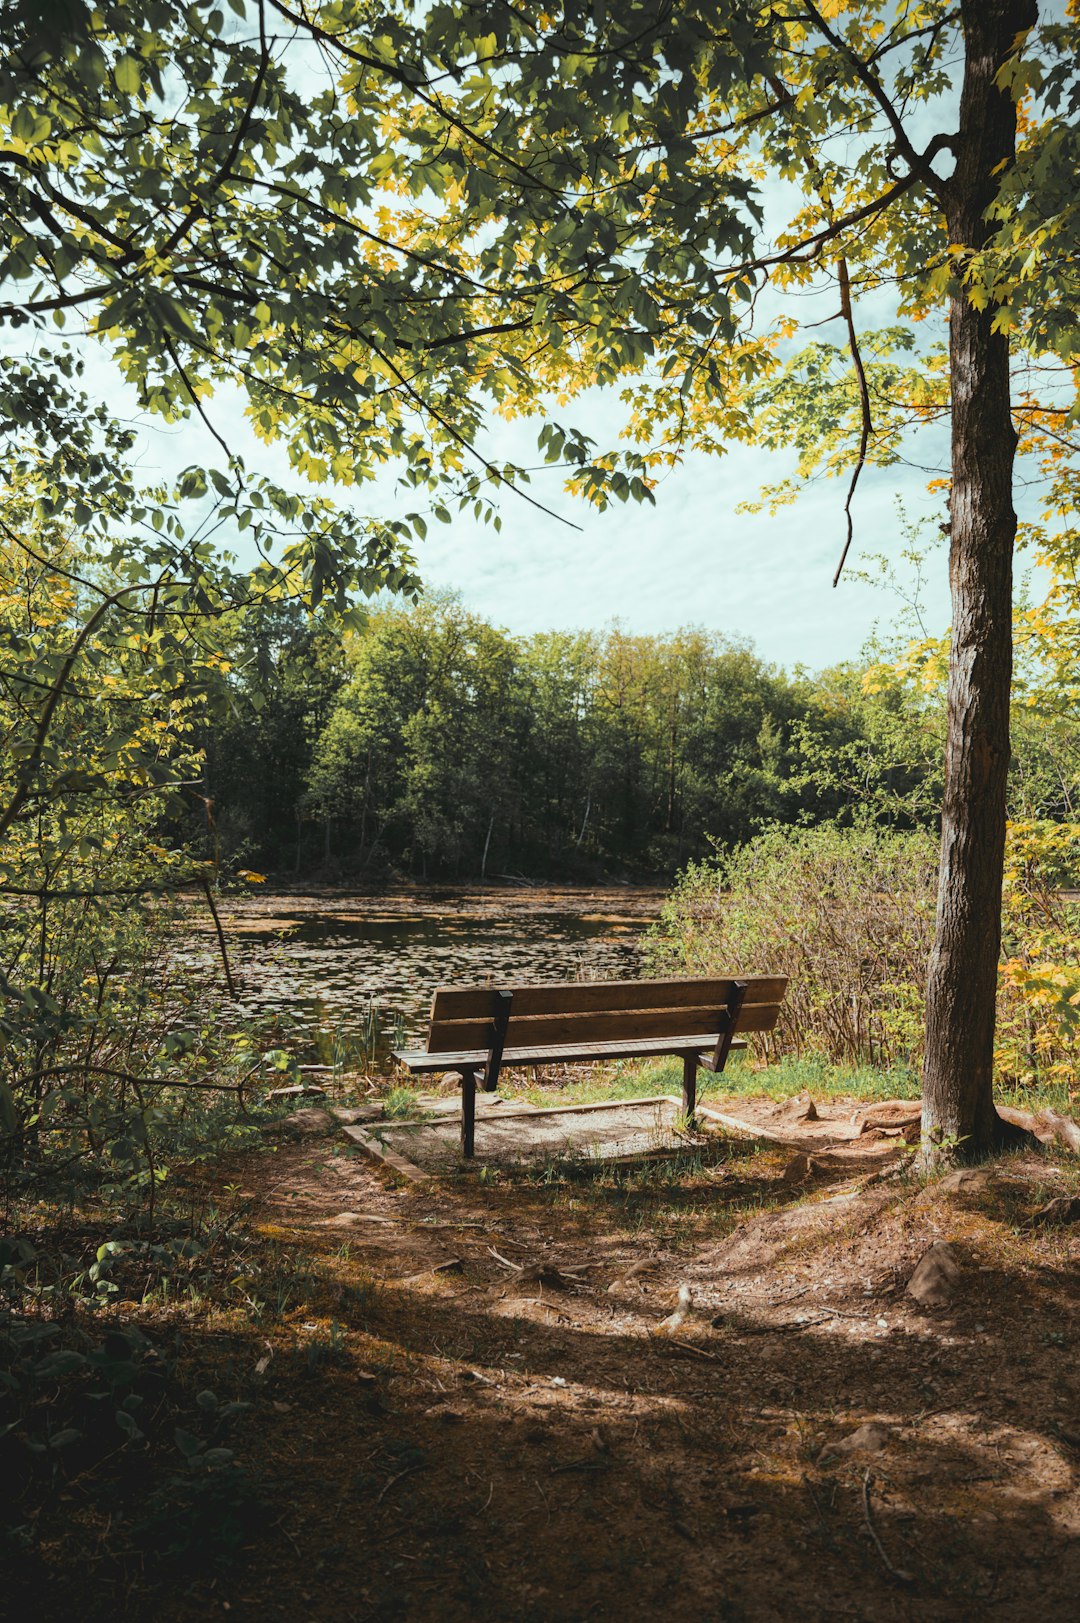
{"points": [[345, 978]]}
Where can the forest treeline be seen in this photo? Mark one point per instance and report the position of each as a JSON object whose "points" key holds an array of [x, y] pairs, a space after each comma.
{"points": [[431, 742], [435, 743]]}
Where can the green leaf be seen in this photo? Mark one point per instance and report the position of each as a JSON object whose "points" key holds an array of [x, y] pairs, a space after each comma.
{"points": [[128, 75]]}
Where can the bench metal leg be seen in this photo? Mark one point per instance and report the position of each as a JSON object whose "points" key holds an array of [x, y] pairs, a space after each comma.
{"points": [[689, 1085], [468, 1113]]}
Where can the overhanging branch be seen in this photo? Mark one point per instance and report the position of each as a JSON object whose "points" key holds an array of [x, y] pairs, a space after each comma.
{"points": [[864, 404]]}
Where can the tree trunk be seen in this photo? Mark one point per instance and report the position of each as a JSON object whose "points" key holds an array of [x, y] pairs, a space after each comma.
{"points": [[958, 1109]]}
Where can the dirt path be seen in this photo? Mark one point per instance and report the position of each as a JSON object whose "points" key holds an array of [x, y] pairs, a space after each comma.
{"points": [[469, 1404]]}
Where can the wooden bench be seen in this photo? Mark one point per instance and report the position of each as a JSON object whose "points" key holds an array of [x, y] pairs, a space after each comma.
{"points": [[478, 1031]]}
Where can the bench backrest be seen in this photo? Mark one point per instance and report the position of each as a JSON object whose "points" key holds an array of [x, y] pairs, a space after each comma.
{"points": [[463, 1017]]}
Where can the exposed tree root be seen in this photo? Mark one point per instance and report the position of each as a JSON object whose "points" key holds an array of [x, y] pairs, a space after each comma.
{"points": [[1022, 1128]]}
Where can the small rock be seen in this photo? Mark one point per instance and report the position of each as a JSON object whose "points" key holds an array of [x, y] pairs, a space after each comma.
{"points": [[936, 1275], [870, 1438]]}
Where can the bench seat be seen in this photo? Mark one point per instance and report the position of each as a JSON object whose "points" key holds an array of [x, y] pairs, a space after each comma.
{"points": [[644, 1048]]}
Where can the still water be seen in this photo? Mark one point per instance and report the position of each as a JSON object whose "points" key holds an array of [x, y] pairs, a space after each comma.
{"points": [[347, 977]]}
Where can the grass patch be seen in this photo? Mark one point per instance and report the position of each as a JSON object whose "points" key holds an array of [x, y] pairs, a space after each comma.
{"points": [[639, 1079], [786, 1078], [815, 1075], [401, 1104], [1038, 1096]]}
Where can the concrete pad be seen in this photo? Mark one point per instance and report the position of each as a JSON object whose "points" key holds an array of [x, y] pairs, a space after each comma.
{"points": [[613, 1130]]}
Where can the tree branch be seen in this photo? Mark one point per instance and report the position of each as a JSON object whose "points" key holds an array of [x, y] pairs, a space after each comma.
{"points": [[917, 161], [864, 402], [33, 761], [466, 445]]}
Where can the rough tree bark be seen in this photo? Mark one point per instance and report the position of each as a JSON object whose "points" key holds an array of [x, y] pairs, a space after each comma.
{"points": [[958, 1109]]}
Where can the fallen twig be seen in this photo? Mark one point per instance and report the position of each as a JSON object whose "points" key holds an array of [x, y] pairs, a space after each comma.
{"points": [[687, 1347], [385, 1489], [514, 1267], [635, 1271], [782, 1327], [280, 1525], [452, 1265], [896, 1572]]}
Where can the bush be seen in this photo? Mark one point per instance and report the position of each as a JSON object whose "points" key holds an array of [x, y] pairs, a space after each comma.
{"points": [[1038, 1038], [848, 915]]}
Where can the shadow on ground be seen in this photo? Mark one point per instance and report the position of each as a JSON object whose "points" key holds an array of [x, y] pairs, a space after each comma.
{"points": [[467, 1404]]}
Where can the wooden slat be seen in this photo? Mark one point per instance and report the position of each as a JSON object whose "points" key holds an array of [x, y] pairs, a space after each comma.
{"points": [[610, 1026], [417, 1060], [587, 997]]}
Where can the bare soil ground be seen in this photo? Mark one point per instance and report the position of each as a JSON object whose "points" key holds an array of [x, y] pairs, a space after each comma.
{"points": [[694, 1389], [511, 1418]]}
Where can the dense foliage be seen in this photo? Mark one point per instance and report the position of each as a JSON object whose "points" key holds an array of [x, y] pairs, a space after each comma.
{"points": [[435, 743], [429, 742], [847, 914]]}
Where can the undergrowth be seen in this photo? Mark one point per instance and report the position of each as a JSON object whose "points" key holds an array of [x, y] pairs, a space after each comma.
{"points": [[123, 1409]]}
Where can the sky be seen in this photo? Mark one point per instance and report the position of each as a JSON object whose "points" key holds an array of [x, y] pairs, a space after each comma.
{"points": [[691, 559]]}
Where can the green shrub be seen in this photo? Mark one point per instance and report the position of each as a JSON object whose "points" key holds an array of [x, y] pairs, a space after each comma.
{"points": [[846, 914]]}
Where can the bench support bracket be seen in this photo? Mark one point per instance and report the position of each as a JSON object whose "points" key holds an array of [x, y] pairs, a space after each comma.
{"points": [[500, 1021], [689, 1087], [734, 1005], [468, 1113]]}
